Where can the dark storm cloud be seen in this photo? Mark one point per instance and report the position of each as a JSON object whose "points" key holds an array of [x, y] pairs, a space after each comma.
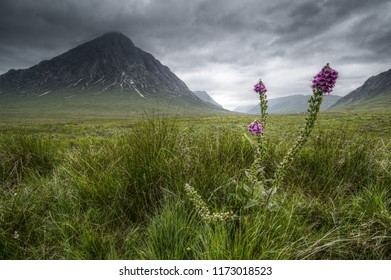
{"points": [[307, 19], [220, 46]]}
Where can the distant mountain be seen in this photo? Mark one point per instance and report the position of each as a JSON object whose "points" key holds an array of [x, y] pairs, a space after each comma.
{"points": [[374, 94], [243, 109], [203, 95], [110, 66], [293, 104]]}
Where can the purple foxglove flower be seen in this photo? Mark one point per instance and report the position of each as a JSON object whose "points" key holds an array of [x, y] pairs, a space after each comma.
{"points": [[325, 79], [260, 87], [326, 89], [255, 127], [329, 85]]}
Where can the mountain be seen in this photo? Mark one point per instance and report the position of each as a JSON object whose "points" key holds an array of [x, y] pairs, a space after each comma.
{"points": [[293, 104], [203, 95], [110, 62], [374, 94], [109, 72], [243, 108]]}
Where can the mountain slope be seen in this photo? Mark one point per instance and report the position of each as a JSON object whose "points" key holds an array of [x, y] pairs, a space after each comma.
{"points": [[109, 65], [110, 62], [243, 108], [374, 94], [293, 104], [203, 95]]}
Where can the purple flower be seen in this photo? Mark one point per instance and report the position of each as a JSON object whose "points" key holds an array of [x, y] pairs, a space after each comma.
{"points": [[325, 79], [334, 73], [255, 127], [326, 72], [260, 87]]}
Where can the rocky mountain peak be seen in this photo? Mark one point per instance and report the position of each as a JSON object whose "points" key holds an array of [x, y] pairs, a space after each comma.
{"points": [[110, 62]]}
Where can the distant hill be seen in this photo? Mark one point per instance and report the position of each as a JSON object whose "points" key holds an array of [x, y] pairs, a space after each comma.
{"points": [[108, 75], [243, 109], [203, 95], [374, 94], [293, 104]]}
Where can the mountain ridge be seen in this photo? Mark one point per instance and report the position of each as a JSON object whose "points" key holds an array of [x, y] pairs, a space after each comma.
{"points": [[203, 95], [375, 88], [291, 104], [109, 62]]}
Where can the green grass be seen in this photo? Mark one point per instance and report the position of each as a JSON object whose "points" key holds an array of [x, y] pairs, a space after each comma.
{"points": [[97, 105], [380, 103], [114, 189]]}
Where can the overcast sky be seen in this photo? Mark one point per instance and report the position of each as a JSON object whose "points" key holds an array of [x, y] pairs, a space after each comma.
{"points": [[220, 46]]}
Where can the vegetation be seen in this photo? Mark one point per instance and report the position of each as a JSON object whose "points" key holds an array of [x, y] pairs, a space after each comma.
{"points": [[380, 103], [91, 105], [115, 189]]}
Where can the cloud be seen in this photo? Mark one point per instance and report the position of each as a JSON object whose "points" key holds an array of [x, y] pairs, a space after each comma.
{"points": [[222, 46]]}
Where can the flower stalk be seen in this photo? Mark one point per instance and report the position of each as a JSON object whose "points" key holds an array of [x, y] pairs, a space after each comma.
{"points": [[261, 89], [263, 106], [322, 84], [203, 209], [258, 126], [314, 106]]}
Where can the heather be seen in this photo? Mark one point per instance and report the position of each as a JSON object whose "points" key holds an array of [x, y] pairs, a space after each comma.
{"points": [[115, 189]]}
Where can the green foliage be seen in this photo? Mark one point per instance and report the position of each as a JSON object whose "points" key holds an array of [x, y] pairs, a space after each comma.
{"points": [[263, 106], [22, 154], [173, 233], [114, 189]]}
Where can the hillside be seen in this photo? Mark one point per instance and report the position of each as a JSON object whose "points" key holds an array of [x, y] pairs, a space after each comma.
{"points": [[243, 108], [203, 95], [373, 95]]}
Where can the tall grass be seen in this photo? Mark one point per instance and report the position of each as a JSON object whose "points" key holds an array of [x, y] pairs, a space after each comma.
{"points": [[21, 154], [121, 195]]}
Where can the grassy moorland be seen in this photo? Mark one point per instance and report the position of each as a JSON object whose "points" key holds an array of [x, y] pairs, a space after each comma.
{"points": [[114, 189], [72, 105]]}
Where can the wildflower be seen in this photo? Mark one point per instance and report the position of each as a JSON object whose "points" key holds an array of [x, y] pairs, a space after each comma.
{"points": [[255, 127], [260, 87], [16, 234], [325, 79]]}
